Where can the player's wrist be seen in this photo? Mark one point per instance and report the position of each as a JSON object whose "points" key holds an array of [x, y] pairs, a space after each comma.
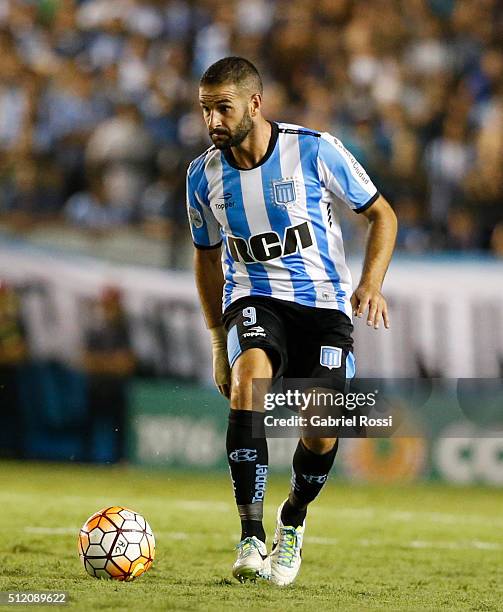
{"points": [[370, 284], [218, 337]]}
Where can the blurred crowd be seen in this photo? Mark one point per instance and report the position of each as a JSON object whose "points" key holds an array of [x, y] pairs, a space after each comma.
{"points": [[53, 406], [99, 114]]}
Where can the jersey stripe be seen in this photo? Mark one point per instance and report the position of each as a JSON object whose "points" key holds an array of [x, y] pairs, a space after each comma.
{"points": [[291, 166], [302, 285], [227, 260], [207, 233], [238, 226], [346, 176], [313, 198], [230, 270], [257, 212], [336, 247]]}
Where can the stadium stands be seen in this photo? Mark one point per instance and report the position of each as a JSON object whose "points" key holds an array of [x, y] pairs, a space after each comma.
{"points": [[99, 116]]}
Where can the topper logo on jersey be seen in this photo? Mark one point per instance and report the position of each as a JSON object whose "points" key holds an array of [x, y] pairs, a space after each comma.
{"points": [[268, 245], [226, 202]]}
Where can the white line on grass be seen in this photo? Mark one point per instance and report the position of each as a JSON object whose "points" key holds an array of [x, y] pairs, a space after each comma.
{"points": [[182, 535], [357, 514], [52, 530]]}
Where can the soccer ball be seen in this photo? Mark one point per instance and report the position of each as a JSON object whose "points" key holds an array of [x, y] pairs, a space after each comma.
{"points": [[116, 543]]}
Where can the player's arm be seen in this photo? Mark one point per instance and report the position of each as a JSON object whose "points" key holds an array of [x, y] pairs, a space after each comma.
{"points": [[210, 283], [344, 176], [207, 239], [379, 248]]}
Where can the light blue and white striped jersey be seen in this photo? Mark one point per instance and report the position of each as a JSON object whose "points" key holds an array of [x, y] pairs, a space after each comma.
{"points": [[278, 221]]}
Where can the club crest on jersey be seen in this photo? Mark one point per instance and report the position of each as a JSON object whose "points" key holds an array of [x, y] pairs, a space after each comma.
{"points": [[331, 357], [284, 194]]}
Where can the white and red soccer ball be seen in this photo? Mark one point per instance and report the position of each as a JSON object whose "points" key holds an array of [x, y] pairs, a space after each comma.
{"points": [[116, 543]]}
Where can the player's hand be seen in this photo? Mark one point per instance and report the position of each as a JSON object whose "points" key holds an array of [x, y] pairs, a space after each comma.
{"points": [[366, 296], [221, 369]]}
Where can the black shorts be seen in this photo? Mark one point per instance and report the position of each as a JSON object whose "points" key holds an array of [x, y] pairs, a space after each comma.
{"points": [[303, 342]]}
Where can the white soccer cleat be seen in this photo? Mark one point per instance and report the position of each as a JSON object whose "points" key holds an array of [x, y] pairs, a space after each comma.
{"points": [[252, 561], [286, 554]]}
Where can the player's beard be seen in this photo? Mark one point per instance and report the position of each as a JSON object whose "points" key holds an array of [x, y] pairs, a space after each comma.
{"points": [[235, 138]]}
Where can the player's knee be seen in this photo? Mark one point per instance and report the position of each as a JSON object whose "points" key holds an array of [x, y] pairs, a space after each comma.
{"points": [[252, 364], [242, 389], [320, 446]]}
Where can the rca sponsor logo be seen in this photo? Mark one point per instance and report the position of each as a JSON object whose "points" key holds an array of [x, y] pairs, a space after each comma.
{"points": [[260, 482], [268, 245]]}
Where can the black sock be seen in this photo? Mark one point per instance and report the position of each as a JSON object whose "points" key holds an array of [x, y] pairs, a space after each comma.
{"points": [[248, 463], [309, 474]]}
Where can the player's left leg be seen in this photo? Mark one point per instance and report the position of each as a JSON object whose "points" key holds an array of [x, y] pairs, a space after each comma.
{"points": [[320, 340], [312, 462]]}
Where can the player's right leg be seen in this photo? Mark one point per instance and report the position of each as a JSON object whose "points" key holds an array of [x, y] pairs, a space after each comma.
{"points": [[255, 347], [248, 463]]}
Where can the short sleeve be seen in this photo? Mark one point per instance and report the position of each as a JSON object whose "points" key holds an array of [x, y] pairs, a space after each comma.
{"points": [[343, 175], [204, 228]]}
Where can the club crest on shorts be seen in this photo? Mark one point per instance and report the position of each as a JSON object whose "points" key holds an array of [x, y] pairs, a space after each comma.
{"points": [[331, 357], [284, 194]]}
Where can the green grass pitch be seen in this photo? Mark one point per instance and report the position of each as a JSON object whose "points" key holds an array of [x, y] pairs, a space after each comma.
{"points": [[411, 547]]}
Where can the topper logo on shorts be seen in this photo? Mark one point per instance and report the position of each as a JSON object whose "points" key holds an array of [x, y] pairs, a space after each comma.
{"points": [[243, 454], [255, 331], [260, 482]]}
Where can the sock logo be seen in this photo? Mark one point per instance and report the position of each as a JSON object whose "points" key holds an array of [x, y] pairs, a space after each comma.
{"points": [[243, 454], [315, 479], [260, 482]]}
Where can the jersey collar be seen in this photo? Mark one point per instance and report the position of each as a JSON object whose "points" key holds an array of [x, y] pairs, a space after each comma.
{"points": [[272, 143]]}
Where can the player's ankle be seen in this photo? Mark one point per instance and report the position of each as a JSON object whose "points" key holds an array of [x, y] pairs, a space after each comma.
{"points": [[292, 516], [250, 528]]}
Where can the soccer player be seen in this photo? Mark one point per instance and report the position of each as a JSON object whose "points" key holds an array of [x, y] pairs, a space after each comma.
{"points": [[274, 286]]}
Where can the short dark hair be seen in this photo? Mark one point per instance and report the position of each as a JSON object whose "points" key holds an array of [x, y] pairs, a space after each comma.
{"points": [[236, 70]]}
